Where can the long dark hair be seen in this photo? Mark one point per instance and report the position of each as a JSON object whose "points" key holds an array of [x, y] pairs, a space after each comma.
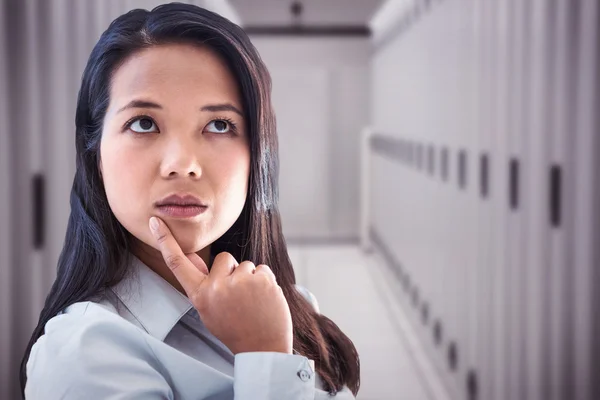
{"points": [[96, 247]]}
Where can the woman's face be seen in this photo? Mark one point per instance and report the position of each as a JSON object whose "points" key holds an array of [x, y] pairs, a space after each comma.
{"points": [[190, 140]]}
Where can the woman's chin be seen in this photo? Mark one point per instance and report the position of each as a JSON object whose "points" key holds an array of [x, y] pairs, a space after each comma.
{"points": [[189, 240]]}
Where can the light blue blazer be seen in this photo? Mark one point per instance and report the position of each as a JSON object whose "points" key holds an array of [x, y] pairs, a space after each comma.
{"points": [[145, 340]]}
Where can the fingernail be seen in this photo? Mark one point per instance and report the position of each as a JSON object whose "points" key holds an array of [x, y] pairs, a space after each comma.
{"points": [[154, 224]]}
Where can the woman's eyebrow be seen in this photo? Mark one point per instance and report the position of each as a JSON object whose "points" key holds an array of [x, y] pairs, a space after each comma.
{"points": [[222, 107], [138, 103]]}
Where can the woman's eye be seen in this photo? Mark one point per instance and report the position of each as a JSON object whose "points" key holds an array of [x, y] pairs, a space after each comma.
{"points": [[220, 126], [141, 125]]}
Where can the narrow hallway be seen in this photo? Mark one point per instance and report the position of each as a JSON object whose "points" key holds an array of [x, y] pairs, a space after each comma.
{"points": [[393, 364]]}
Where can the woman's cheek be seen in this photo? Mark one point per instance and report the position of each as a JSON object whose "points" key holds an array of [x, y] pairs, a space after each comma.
{"points": [[124, 190]]}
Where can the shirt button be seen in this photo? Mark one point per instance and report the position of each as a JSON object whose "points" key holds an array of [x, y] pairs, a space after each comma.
{"points": [[304, 375]]}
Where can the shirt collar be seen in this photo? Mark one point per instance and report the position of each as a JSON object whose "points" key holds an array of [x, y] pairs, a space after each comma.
{"points": [[153, 301]]}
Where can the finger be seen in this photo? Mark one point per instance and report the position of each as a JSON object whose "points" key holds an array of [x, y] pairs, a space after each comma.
{"points": [[183, 269], [223, 265], [198, 262], [264, 269], [246, 267]]}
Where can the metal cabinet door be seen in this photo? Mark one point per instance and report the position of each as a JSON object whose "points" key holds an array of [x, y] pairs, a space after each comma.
{"points": [[584, 265]]}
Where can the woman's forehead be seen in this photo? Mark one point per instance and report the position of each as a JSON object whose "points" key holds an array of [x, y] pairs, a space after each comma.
{"points": [[175, 72]]}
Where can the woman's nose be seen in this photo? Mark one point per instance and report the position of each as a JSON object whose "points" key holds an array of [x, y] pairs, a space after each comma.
{"points": [[181, 160]]}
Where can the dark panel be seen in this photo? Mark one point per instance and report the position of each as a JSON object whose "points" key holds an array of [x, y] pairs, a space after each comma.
{"points": [[555, 195], [39, 219], [425, 313], [472, 386], [462, 169], [411, 152], [513, 189], [445, 164], [403, 150], [484, 175], [431, 160], [437, 332], [415, 297], [394, 148], [453, 356], [395, 266]]}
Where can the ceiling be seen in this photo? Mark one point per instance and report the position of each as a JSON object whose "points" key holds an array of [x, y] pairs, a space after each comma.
{"points": [[315, 12]]}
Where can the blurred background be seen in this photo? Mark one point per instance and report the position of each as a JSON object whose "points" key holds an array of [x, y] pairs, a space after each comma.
{"points": [[439, 183]]}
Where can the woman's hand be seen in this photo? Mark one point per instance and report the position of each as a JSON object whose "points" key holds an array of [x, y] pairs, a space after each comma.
{"points": [[241, 305]]}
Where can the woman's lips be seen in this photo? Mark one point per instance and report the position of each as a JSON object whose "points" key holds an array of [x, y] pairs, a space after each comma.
{"points": [[177, 211]]}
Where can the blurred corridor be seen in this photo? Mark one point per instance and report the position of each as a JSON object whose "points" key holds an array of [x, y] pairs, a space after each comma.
{"points": [[439, 180]]}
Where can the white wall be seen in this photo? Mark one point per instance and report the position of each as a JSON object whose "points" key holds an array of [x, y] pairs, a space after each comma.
{"points": [[5, 227], [510, 80], [341, 66], [44, 46]]}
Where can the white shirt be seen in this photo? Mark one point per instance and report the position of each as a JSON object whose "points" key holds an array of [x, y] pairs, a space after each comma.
{"points": [[145, 340]]}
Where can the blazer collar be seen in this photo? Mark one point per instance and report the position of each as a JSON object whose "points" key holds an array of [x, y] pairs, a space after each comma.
{"points": [[156, 304]]}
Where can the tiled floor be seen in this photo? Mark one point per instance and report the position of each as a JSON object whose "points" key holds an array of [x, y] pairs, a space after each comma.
{"points": [[351, 289]]}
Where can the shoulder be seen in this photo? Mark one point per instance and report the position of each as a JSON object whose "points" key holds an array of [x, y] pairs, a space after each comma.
{"points": [[86, 330], [84, 321], [85, 347]]}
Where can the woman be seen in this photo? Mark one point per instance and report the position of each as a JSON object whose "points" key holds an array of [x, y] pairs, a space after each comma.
{"points": [[176, 182]]}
